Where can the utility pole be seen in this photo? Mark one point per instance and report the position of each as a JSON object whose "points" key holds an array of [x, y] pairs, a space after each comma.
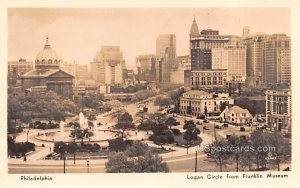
{"points": [[196, 162], [74, 150], [64, 164], [187, 142], [88, 166]]}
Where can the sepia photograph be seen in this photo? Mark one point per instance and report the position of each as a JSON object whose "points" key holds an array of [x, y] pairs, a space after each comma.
{"points": [[149, 90]]}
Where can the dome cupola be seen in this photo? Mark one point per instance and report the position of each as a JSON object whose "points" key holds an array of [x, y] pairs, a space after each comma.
{"points": [[47, 58]]}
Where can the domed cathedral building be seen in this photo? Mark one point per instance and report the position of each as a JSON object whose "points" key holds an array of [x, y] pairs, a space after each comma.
{"points": [[46, 75]]}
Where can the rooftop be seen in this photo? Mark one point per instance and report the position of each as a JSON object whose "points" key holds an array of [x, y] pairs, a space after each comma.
{"points": [[196, 92]]}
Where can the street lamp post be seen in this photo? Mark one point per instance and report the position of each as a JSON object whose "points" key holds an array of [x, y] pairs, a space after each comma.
{"points": [[196, 162], [27, 134], [215, 131], [74, 150], [64, 165], [187, 142]]}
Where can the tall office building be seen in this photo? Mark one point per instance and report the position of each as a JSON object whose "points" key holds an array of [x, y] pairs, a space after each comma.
{"points": [[202, 75], [246, 31], [182, 63], [146, 67], [80, 72], [108, 65], [233, 59], [201, 45], [277, 57], [268, 58], [255, 57], [166, 54]]}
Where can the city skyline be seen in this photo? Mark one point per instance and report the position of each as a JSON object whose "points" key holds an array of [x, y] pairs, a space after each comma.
{"points": [[135, 30]]}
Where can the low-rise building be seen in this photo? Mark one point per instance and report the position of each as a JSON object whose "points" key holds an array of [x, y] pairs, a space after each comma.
{"points": [[278, 110], [206, 79], [198, 102], [236, 115]]}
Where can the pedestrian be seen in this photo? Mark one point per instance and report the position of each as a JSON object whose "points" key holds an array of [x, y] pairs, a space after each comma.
{"points": [[50, 149]]}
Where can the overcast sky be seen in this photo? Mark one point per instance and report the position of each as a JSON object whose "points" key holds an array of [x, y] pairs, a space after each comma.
{"points": [[77, 34]]}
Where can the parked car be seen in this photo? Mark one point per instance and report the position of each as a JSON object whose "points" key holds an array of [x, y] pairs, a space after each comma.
{"points": [[205, 127], [205, 121], [199, 123], [242, 129], [218, 127], [225, 125]]}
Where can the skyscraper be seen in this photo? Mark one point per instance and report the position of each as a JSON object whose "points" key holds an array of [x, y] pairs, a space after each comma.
{"points": [[268, 58], [277, 59], [201, 45], [166, 54], [233, 58], [108, 65], [146, 67], [246, 31]]}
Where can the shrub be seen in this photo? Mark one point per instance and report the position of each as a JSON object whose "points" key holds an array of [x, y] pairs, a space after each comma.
{"points": [[176, 131]]}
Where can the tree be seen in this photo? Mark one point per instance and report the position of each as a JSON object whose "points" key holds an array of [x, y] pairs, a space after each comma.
{"points": [[150, 163], [117, 144], [91, 100], [10, 145], [238, 142], [191, 133], [119, 163], [191, 130], [138, 148], [60, 147], [125, 123], [162, 100], [146, 125], [171, 122], [219, 153], [282, 152], [48, 105], [259, 139], [122, 163]]}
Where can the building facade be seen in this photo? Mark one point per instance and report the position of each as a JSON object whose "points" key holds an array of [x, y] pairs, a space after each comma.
{"points": [[197, 102], [279, 110], [268, 58], [207, 79], [47, 74], [17, 69], [182, 63], [255, 57], [201, 45], [108, 65], [236, 115], [233, 59], [166, 56], [146, 67], [277, 59]]}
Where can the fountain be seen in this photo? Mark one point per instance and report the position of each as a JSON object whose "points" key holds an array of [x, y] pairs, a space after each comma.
{"points": [[81, 120], [95, 129], [61, 128], [63, 134], [86, 123]]}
